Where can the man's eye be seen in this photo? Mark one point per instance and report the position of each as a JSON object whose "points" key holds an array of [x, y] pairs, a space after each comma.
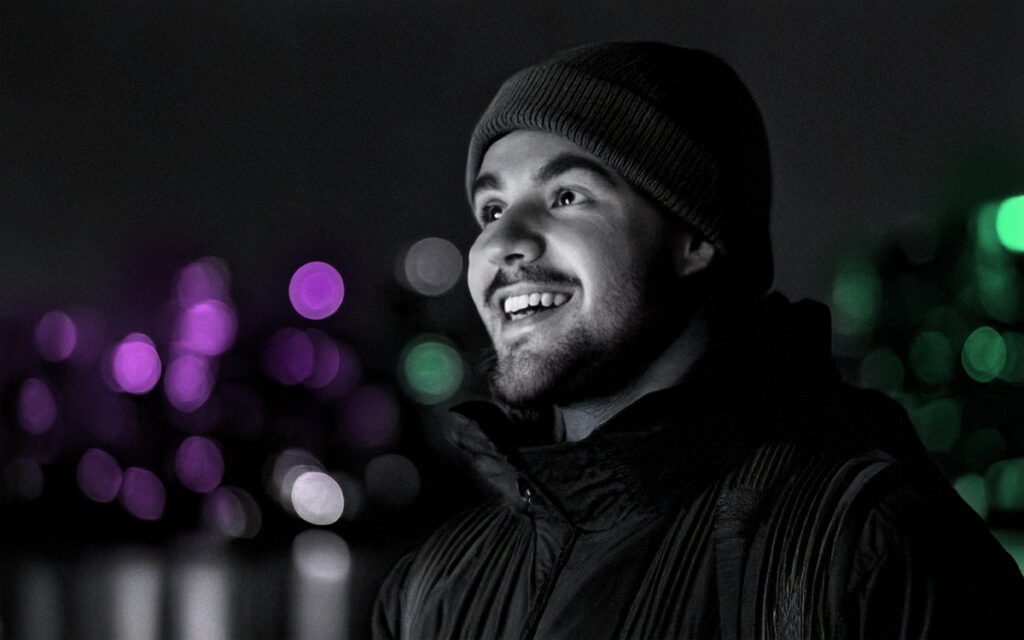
{"points": [[566, 197], [490, 213]]}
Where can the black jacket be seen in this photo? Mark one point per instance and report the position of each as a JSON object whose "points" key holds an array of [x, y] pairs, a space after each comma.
{"points": [[761, 498]]}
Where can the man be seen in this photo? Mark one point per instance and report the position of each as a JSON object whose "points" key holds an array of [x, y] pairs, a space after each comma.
{"points": [[674, 453]]}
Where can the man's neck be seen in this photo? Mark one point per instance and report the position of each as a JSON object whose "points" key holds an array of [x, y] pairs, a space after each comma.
{"points": [[580, 419]]}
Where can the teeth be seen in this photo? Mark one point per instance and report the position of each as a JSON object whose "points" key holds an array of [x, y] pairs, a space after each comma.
{"points": [[537, 299]]}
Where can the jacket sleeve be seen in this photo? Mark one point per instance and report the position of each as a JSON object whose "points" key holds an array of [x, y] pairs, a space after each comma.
{"points": [[925, 565], [387, 611]]}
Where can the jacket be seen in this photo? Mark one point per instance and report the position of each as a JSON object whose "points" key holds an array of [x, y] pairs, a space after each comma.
{"points": [[760, 498]]}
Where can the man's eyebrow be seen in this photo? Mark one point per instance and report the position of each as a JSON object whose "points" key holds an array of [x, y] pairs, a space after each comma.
{"points": [[565, 162], [485, 181]]}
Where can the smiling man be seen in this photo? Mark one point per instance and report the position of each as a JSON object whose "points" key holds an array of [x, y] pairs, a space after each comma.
{"points": [[672, 451]]}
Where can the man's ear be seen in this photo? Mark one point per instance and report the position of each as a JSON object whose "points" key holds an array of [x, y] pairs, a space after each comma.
{"points": [[693, 253]]}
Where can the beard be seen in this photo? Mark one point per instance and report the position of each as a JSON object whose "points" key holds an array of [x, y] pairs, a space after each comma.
{"points": [[596, 359]]}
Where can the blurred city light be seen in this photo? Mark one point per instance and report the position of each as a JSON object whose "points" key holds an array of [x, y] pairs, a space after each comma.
{"points": [[56, 336], [201, 597], [971, 488], [143, 494], [856, 298], [1010, 223], [316, 290], [431, 370], [326, 359], [205, 279], [938, 424], [322, 564], [136, 365], [931, 358], [984, 354], [23, 479], [232, 512], [431, 266], [188, 382], [37, 408], [369, 418], [287, 467], [317, 498], [1005, 480], [882, 369], [99, 476], [289, 356], [392, 481], [138, 592], [1013, 370], [321, 555], [207, 328], [199, 464]]}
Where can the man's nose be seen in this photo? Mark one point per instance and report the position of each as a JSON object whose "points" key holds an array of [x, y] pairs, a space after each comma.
{"points": [[514, 237]]}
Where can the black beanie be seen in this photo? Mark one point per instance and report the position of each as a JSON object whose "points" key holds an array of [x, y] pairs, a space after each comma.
{"points": [[677, 124]]}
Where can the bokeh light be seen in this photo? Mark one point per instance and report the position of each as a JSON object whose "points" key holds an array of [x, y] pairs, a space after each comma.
{"points": [[23, 479], [432, 266], [99, 476], [136, 364], [856, 298], [205, 279], [881, 369], [316, 290], [984, 354], [326, 359], [369, 418], [971, 488], [1013, 370], [392, 481], [199, 464], [431, 370], [938, 424], [317, 498], [37, 408], [1005, 480], [188, 382], [321, 555], [931, 358], [349, 371], [207, 327], [289, 356], [1010, 223], [287, 467], [56, 336], [982, 447], [232, 512], [143, 494]]}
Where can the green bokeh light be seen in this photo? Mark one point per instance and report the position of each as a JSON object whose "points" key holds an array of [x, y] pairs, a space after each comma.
{"points": [[999, 289], [984, 354], [931, 358], [856, 298], [1010, 223], [938, 424], [1005, 480], [431, 370], [985, 229], [971, 488], [882, 369], [1013, 370]]}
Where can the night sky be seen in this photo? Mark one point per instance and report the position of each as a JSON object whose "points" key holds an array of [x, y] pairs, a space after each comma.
{"points": [[138, 136]]}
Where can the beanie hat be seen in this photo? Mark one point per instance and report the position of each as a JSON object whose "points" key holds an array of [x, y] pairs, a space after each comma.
{"points": [[677, 124]]}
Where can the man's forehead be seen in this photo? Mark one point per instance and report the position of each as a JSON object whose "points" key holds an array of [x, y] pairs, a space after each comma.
{"points": [[538, 156]]}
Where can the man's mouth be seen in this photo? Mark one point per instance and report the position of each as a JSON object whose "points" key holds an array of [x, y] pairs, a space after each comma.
{"points": [[524, 305]]}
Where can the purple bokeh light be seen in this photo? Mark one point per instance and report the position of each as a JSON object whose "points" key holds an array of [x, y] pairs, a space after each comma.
{"points": [[188, 382], [90, 328], [232, 512], [143, 494], [316, 290], [205, 279], [289, 356], [199, 464], [207, 327], [99, 476], [37, 409], [369, 418], [136, 364], [326, 359], [56, 336]]}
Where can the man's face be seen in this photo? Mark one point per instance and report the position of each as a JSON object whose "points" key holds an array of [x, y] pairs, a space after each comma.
{"points": [[571, 272]]}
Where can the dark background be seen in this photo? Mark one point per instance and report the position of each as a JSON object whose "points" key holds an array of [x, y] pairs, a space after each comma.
{"points": [[135, 138]]}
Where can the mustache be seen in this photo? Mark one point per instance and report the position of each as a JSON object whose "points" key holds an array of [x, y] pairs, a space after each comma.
{"points": [[527, 273]]}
